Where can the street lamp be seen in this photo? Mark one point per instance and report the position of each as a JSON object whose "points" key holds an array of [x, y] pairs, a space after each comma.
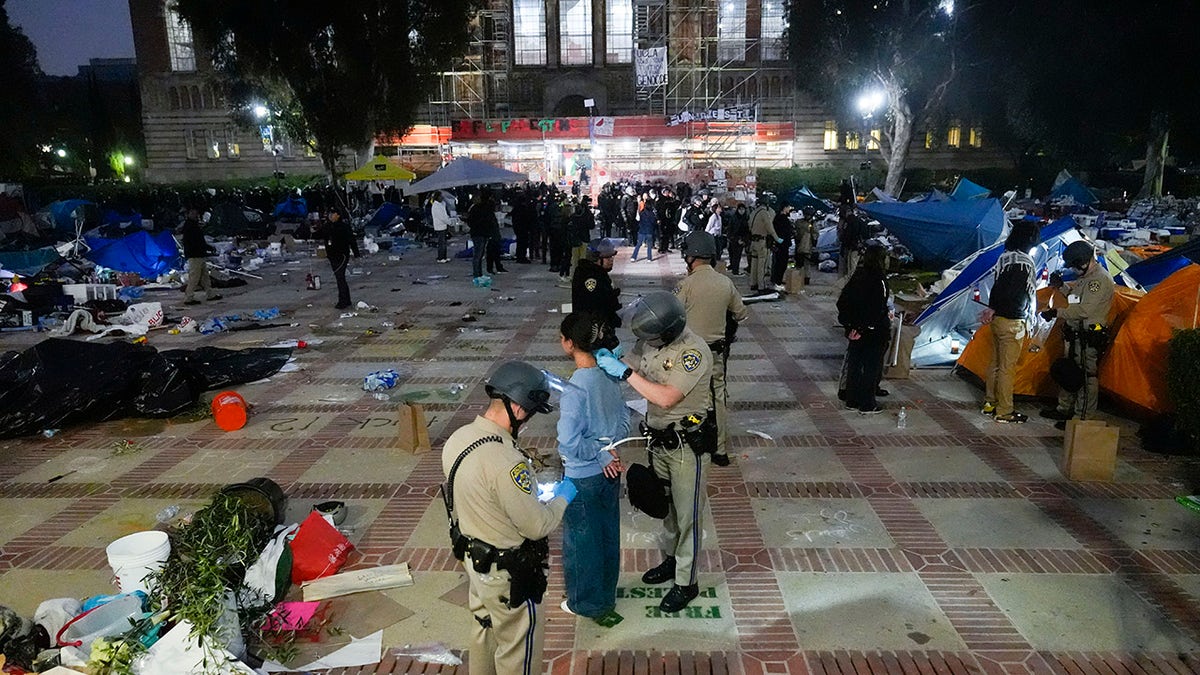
{"points": [[263, 112], [128, 160], [61, 152]]}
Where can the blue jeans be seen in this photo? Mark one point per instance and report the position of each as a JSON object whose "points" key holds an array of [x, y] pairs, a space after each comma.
{"points": [[648, 240], [478, 249], [592, 546]]}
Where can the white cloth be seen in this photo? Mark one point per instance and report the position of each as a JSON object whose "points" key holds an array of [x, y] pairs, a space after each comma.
{"points": [[441, 217]]}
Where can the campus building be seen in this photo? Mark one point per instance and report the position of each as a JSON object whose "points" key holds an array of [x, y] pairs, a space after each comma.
{"points": [[696, 90]]}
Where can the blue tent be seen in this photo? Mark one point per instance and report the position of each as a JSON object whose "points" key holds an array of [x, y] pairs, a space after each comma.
{"points": [[941, 233], [802, 197], [966, 190], [1071, 187], [28, 263], [1150, 272], [60, 214], [384, 216], [147, 254], [129, 219], [292, 209]]}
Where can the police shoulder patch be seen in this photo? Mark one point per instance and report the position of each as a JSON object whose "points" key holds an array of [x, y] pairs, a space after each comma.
{"points": [[1094, 286], [691, 360], [521, 478], [590, 284]]}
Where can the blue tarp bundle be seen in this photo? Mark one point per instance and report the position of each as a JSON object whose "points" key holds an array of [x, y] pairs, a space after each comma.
{"points": [[28, 263], [130, 219], [941, 233], [1151, 272], [292, 208], [1071, 187], [966, 190], [802, 197], [147, 254], [60, 213], [384, 215]]}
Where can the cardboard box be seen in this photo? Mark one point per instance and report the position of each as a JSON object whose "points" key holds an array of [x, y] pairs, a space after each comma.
{"points": [[1178, 239], [793, 281], [1090, 450], [321, 253], [413, 429]]}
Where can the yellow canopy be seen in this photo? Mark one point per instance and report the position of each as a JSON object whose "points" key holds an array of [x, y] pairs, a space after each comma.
{"points": [[379, 168]]}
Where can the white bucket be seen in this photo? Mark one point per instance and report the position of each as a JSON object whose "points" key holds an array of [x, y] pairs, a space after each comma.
{"points": [[136, 556]]}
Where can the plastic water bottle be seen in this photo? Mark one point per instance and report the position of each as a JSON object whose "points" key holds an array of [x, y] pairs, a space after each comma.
{"points": [[902, 418]]}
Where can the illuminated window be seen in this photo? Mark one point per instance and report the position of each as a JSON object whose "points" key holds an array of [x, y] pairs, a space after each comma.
{"points": [[731, 30], [975, 139], [575, 32], [212, 144], [954, 135], [929, 139], [873, 141], [179, 42], [852, 140], [620, 31], [773, 25], [529, 30], [831, 135]]}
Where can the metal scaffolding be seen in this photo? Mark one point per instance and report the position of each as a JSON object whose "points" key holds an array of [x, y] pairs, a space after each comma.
{"points": [[478, 87]]}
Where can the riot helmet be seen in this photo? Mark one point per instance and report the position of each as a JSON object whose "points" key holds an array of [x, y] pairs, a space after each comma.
{"points": [[699, 244], [1078, 254], [659, 319]]}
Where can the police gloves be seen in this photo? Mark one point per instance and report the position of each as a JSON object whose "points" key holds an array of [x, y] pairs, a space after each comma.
{"points": [[564, 488], [1055, 280], [1050, 314], [612, 365]]}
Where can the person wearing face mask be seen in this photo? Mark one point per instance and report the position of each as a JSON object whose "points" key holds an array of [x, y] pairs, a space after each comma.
{"points": [[592, 288], [1084, 328], [498, 526]]}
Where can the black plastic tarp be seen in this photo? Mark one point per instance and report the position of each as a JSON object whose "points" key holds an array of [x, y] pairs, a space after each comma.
{"points": [[59, 383]]}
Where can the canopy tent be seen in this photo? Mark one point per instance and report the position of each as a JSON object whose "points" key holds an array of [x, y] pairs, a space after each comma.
{"points": [[967, 190], [379, 168], [941, 233], [147, 254], [61, 214], [934, 195], [1135, 368], [1066, 185], [954, 316], [802, 197], [28, 263], [465, 171], [1152, 271]]}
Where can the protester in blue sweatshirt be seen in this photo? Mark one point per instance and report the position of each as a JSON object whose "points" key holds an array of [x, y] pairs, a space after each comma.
{"points": [[592, 409]]}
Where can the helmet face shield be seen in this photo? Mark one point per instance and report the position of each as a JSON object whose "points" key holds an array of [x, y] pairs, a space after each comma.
{"points": [[523, 384], [659, 319]]}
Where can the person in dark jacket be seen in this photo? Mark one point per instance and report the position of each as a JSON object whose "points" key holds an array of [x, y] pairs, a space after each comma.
{"points": [[197, 250], [737, 231], [780, 254], [667, 207], [592, 289], [339, 244], [647, 223], [481, 224], [864, 315], [524, 220]]}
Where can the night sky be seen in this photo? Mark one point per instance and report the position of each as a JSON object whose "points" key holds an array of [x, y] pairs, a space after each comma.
{"points": [[69, 32]]}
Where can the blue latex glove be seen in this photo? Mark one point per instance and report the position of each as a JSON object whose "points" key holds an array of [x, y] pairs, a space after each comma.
{"points": [[564, 488], [619, 351], [612, 365]]}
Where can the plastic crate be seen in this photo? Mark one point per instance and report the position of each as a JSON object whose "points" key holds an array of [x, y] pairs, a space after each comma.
{"points": [[81, 293]]}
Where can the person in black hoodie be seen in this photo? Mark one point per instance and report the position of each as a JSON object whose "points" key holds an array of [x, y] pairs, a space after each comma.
{"points": [[197, 251], [339, 244], [592, 288], [864, 315]]}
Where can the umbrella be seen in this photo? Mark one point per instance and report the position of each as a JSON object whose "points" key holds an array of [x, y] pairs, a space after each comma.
{"points": [[380, 169], [466, 171]]}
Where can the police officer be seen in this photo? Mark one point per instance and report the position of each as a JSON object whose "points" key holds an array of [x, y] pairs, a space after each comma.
{"points": [[1084, 324], [762, 237], [592, 288], [498, 526], [671, 368], [714, 308]]}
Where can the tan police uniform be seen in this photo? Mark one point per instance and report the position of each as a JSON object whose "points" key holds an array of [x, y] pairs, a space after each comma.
{"points": [[685, 364], [1095, 291], [495, 499], [762, 237], [707, 296]]}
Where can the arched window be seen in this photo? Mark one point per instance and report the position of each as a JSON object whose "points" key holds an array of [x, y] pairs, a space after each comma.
{"points": [[185, 98], [173, 98], [197, 99]]}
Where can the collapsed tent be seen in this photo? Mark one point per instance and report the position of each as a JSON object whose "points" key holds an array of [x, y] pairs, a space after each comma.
{"points": [[1152, 271], [803, 198], [293, 208], [967, 190], [59, 383], [23, 229], [1066, 185], [1135, 368], [941, 232], [147, 254], [62, 215], [28, 263]]}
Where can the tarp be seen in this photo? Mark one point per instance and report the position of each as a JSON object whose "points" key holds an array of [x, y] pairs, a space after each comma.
{"points": [[1152, 271], [1066, 185], [1032, 376], [967, 190], [147, 254], [1135, 368], [465, 171], [802, 197], [60, 214], [28, 263], [941, 233], [293, 208], [384, 216], [59, 383], [380, 168]]}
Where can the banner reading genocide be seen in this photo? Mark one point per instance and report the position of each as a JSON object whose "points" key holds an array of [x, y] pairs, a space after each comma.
{"points": [[651, 67]]}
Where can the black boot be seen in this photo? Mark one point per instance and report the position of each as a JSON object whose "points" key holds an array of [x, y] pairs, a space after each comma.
{"points": [[720, 459], [661, 574], [679, 597]]}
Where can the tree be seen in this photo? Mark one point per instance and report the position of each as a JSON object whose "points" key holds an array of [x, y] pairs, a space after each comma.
{"points": [[341, 72], [18, 62], [905, 52]]}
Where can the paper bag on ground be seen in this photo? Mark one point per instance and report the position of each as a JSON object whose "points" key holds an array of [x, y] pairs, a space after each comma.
{"points": [[793, 281], [413, 430], [1090, 450], [899, 355]]}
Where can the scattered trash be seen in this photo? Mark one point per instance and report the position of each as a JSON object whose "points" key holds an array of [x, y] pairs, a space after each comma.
{"points": [[365, 307], [333, 509], [229, 410], [49, 433], [167, 514], [62, 476], [468, 317], [370, 579], [429, 653], [213, 325], [387, 324], [348, 315], [380, 380], [125, 447], [760, 434], [380, 396], [456, 390], [135, 557], [266, 314]]}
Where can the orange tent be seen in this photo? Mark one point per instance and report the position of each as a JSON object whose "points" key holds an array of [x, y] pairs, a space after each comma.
{"points": [[1033, 368], [1135, 369]]}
